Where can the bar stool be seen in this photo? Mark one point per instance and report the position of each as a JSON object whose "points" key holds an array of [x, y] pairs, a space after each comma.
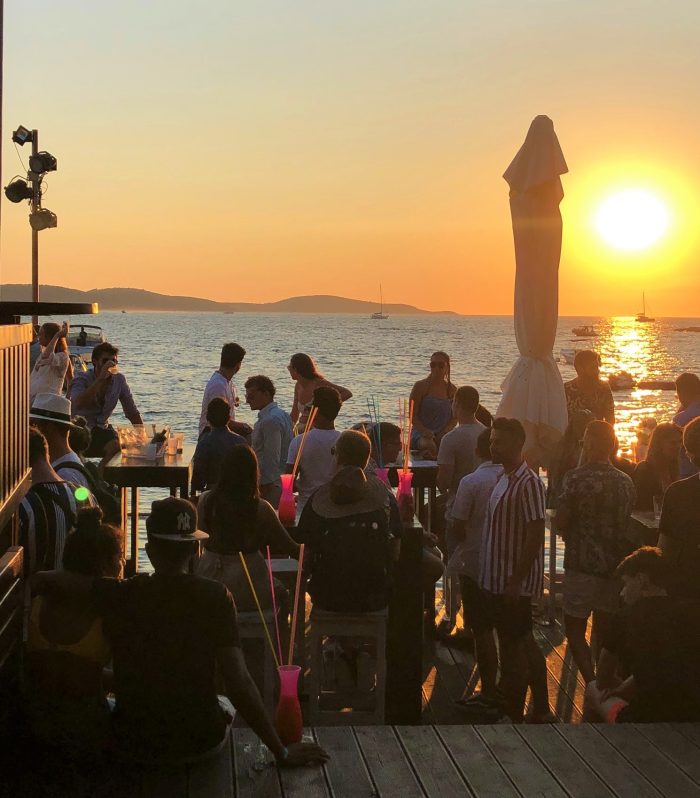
{"points": [[250, 628], [370, 626]]}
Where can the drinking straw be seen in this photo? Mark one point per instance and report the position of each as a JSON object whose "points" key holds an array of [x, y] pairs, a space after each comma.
{"points": [[379, 433], [274, 603], [309, 424], [296, 603], [257, 604]]}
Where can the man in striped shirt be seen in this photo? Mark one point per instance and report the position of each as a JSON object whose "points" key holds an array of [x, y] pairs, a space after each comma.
{"points": [[512, 569]]}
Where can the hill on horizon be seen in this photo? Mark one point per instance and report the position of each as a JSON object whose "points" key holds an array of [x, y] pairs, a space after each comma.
{"points": [[140, 299]]}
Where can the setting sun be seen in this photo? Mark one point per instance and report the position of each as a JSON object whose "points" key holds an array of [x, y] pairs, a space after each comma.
{"points": [[632, 220]]}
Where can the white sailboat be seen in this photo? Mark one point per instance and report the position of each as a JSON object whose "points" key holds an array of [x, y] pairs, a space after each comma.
{"points": [[381, 314], [642, 317]]}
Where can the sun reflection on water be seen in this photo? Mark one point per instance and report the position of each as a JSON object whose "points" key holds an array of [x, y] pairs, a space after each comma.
{"points": [[638, 349]]}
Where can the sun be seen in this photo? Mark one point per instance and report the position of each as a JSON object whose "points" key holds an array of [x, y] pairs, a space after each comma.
{"points": [[632, 220]]}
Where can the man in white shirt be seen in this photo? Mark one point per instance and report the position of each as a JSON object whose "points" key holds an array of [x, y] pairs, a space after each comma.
{"points": [[317, 464], [220, 385], [467, 517], [457, 458]]}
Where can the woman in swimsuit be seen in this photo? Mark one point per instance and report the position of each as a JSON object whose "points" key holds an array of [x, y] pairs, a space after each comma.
{"points": [[304, 372], [432, 407]]}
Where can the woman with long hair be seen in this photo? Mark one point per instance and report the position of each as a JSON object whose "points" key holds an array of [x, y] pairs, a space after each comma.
{"points": [[653, 475], [67, 649], [53, 366], [238, 520], [303, 370], [432, 406]]}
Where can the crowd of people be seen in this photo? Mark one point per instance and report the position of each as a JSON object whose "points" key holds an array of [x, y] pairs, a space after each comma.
{"points": [[171, 637]]}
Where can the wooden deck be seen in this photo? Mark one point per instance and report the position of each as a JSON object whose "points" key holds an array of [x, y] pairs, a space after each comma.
{"points": [[447, 670], [580, 761]]}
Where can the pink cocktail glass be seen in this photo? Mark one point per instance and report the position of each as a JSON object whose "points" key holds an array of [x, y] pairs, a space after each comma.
{"points": [[287, 510], [405, 478], [288, 720]]}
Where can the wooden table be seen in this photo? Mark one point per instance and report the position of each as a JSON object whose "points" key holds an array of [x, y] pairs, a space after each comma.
{"points": [[172, 471], [501, 761]]}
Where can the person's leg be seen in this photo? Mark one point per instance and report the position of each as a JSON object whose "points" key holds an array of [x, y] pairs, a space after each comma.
{"points": [[513, 626], [575, 629], [478, 614], [537, 666], [577, 609]]}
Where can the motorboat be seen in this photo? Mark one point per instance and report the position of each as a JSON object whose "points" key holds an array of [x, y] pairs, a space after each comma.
{"points": [[621, 381], [83, 338], [585, 332], [380, 314]]}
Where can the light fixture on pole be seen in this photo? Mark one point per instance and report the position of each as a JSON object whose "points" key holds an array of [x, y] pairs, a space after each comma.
{"points": [[19, 189]]}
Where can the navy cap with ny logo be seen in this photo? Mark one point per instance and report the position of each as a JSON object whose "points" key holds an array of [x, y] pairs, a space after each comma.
{"points": [[174, 519]]}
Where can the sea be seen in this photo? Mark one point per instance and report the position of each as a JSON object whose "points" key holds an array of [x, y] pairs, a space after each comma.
{"points": [[168, 357]]}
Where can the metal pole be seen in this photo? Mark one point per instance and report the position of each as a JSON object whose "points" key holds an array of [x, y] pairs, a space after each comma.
{"points": [[35, 204]]}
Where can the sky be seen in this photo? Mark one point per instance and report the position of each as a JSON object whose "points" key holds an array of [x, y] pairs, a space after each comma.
{"points": [[255, 151]]}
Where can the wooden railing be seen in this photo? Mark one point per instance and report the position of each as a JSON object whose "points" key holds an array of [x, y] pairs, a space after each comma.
{"points": [[14, 421]]}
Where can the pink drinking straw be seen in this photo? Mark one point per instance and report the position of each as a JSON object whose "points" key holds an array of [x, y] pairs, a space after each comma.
{"points": [[274, 603], [296, 604]]}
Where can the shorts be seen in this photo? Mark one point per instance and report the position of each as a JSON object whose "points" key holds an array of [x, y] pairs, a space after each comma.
{"points": [[586, 593], [492, 611], [99, 438]]}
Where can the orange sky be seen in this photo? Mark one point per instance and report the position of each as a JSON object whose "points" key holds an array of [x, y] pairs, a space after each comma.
{"points": [[253, 153]]}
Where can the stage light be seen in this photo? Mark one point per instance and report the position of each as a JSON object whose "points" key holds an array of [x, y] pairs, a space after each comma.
{"points": [[22, 135], [18, 190], [42, 162], [43, 218]]}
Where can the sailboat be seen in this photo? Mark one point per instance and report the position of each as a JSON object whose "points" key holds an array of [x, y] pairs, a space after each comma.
{"points": [[381, 314], [642, 317]]}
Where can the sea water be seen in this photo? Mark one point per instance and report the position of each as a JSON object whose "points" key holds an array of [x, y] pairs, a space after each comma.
{"points": [[168, 357]]}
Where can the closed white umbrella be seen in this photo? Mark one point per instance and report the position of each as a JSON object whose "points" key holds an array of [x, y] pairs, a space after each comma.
{"points": [[533, 391]]}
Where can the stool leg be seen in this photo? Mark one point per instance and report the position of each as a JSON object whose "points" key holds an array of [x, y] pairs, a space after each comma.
{"points": [[314, 674], [380, 687]]}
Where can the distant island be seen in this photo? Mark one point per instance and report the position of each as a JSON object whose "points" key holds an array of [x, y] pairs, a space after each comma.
{"points": [[138, 299]]}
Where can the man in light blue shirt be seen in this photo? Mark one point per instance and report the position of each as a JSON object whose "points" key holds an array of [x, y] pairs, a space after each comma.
{"points": [[272, 434], [688, 390]]}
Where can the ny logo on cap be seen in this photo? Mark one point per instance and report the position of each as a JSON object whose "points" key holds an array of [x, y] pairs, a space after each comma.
{"points": [[183, 522]]}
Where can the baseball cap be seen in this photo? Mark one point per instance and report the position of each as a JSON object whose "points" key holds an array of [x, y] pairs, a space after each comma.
{"points": [[174, 519]]}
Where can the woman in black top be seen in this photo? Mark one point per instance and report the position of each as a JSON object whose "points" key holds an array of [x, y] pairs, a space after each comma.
{"points": [[238, 520], [652, 476]]}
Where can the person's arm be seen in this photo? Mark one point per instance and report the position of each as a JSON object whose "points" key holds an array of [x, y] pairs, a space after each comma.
{"points": [[50, 348], [446, 465], [462, 510], [668, 540], [277, 536], [270, 448], [533, 507], [294, 415], [609, 409], [345, 393], [128, 404], [417, 394], [244, 695], [199, 475], [82, 395]]}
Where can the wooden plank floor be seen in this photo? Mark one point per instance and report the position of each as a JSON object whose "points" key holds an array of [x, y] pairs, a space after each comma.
{"points": [[448, 670], [556, 761]]}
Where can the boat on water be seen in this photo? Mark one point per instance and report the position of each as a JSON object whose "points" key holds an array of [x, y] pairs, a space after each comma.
{"points": [[642, 318], [380, 314], [567, 356], [83, 338], [621, 381], [587, 331]]}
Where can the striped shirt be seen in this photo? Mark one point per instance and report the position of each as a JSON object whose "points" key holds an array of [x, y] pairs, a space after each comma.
{"points": [[517, 499], [43, 524]]}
